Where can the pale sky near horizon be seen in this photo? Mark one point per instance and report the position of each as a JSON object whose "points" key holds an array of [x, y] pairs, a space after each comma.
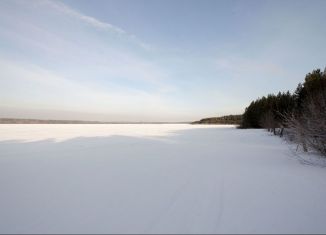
{"points": [[151, 60]]}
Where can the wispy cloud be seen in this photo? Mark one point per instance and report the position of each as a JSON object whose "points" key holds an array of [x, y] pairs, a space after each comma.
{"points": [[86, 19], [92, 21], [104, 58]]}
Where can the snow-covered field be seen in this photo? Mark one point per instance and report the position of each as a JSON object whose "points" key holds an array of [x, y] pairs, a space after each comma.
{"points": [[155, 179]]}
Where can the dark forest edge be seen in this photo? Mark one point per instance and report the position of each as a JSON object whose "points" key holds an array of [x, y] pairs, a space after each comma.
{"points": [[299, 117]]}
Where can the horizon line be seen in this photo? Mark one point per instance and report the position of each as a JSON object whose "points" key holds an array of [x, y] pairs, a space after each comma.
{"points": [[10, 120]]}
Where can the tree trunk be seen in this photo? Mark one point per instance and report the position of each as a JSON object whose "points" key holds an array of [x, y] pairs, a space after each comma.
{"points": [[281, 132]]}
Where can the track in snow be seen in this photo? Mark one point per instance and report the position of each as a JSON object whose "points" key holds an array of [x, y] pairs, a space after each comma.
{"points": [[154, 179]]}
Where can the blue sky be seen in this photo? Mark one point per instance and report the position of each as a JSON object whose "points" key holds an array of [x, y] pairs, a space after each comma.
{"points": [[132, 60]]}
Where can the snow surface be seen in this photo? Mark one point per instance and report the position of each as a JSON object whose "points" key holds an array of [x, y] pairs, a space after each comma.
{"points": [[155, 179]]}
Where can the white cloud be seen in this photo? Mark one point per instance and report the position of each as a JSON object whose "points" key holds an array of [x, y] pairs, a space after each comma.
{"points": [[101, 59], [87, 19], [98, 24]]}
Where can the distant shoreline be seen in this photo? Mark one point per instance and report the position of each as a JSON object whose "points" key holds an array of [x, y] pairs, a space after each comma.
{"points": [[49, 121], [224, 120]]}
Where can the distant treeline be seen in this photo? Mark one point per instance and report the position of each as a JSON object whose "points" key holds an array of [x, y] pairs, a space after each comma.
{"points": [[41, 121], [229, 119], [301, 114]]}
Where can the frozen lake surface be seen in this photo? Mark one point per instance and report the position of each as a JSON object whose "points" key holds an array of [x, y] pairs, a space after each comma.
{"points": [[168, 178]]}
